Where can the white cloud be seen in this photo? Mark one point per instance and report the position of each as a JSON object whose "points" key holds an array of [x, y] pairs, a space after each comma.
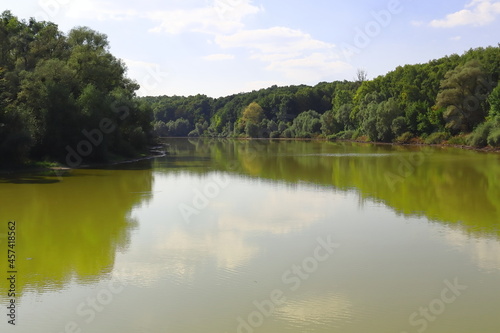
{"points": [[314, 67], [151, 76], [295, 54], [275, 40], [103, 11], [224, 16], [484, 251], [218, 16], [218, 57], [476, 13], [227, 247]]}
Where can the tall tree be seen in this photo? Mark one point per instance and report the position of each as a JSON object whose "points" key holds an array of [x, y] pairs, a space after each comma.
{"points": [[463, 96], [253, 114]]}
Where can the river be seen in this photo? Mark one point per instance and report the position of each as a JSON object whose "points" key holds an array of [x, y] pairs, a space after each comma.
{"points": [[258, 236]]}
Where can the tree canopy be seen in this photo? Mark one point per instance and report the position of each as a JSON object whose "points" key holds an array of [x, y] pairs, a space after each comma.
{"points": [[65, 94]]}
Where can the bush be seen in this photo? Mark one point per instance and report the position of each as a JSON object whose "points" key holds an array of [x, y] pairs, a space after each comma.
{"points": [[494, 138], [332, 137], [288, 133], [194, 134], [344, 135], [274, 135], [479, 137], [404, 138], [460, 140], [356, 134], [437, 138], [363, 138]]}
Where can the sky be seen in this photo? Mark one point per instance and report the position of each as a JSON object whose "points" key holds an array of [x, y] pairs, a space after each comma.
{"points": [[223, 47]]}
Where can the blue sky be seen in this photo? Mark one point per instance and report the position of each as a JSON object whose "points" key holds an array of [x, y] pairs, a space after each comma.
{"points": [[221, 47]]}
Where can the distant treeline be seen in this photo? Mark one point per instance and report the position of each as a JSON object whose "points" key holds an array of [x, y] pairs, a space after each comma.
{"points": [[65, 97], [454, 99]]}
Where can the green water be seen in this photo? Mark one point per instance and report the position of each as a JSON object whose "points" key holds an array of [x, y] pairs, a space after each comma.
{"points": [[258, 236]]}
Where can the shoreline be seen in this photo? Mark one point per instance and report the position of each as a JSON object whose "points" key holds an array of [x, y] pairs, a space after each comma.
{"points": [[157, 152], [153, 153], [487, 149]]}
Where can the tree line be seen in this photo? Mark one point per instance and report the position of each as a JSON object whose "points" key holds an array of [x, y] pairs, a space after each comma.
{"points": [[454, 99], [65, 97]]}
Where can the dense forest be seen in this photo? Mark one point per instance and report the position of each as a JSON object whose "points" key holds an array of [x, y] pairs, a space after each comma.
{"points": [[454, 99], [65, 97]]}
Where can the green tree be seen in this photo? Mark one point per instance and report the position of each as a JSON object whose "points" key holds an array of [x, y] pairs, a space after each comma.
{"points": [[253, 114], [462, 97], [344, 117], [252, 130], [494, 100], [54, 88], [329, 123], [307, 124], [399, 126]]}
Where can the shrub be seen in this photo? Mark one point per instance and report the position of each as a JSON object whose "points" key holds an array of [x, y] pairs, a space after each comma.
{"points": [[460, 140], [332, 137], [288, 133], [363, 138], [356, 134], [404, 138], [344, 135], [275, 135], [194, 134], [494, 138], [479, 137], [436, 138]]}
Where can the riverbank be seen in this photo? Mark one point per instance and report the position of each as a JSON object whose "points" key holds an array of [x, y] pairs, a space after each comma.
{"points": [[487, 149], [442, 145], [58, 168], [157, 151], [418, 143]]}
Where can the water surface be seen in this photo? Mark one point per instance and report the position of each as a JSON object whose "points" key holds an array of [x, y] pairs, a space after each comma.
{"points": [[232, 236]]}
